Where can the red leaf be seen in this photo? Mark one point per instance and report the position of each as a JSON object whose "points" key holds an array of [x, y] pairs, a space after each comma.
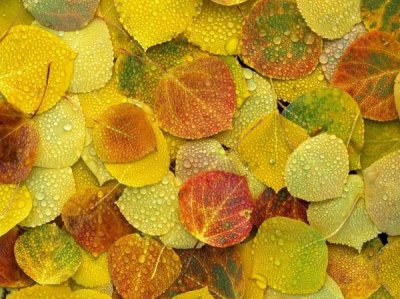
{"points": [[367, 71], [11, 275], [94, 220], [271, 204], [216, 207]]}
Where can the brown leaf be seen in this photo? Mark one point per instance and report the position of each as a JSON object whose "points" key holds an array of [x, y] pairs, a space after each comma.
{"points": [[270, 204], [94, 220]]}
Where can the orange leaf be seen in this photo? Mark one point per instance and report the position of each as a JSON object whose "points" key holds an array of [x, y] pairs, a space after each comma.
{"points": [[197, 99], [123, 134], [94, 220], [367, 71], [11, 275], [141, 267], [18, 145], [277, 42], [216, 207], [270, 204]]}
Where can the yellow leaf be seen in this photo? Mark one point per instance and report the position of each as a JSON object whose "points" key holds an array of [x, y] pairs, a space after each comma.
{"points": [[155, 22], [266, 145], [35, 68]]}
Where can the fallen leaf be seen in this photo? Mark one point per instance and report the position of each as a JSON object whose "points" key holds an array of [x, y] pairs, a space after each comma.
{"points": [[197, 99], [270, 204], [388, 265], [216, 207], [47, 254], [220, 270], [289, 256], [62, 15], [141, 267], [276, 41], [11, 275], [367, 71], [123, 134], [317, 170], [93, 219]]}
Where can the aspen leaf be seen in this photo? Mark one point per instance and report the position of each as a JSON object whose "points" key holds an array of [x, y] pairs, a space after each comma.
{"points": [[62, 134], [333, 111], [354, 271], [61, 14], [219, 269], [290, 256], [152, 23], [382, 193], [47, 254], [216, 206], [141, 267], [34, 77], [266, 144], [317, 169], [332, 19], [15, 206], [197, 99], [50, 189], [367, 71], [344, 220], [276, 41], [19, 142], [388, 265], [123, 134], [11, 275], [93, 219]]}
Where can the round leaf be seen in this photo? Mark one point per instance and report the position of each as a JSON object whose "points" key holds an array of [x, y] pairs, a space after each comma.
{"points": [[220, 270], [62, 134], [94, 220], [330, 290], [344, 220], [216, 207], [388, 267], [146, 171], [94, 63], [19, 142], [33, 75], [290, 255], [123, 134], [381, 15], [266, 145], [332, 19], [47, 254], [11, 275], [367, 71], [333, 111], [276, 41], [152, 209], [197, 99], [317, 170], [217, 29], [62, 14], [152, 23], [141, 267], [50, 189], [353, 271]]}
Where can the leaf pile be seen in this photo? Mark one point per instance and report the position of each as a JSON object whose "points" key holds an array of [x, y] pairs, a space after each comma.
{"points": [[207, 149]]}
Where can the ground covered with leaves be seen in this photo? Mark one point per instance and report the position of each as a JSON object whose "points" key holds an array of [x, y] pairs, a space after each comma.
{"points": [[199, 149]]}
